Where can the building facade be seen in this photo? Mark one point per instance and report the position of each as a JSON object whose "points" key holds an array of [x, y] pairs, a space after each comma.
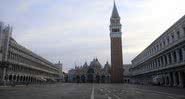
{"points": [[163, 61], [61, 74], [126, 74], [116, 47], [20, 65], [92, 73]]}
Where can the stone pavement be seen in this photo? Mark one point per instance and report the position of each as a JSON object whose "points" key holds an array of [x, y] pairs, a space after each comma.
{"points": [[90, 91]]}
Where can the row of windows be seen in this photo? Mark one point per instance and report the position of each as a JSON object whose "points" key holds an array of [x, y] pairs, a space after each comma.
{"points": [[26, 58], [17, 68], [32, 57], [164, 60], [164, 42]]}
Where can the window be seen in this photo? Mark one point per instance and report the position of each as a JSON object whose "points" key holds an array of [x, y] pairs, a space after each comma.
{"points": [[172, 36], [170, 58], [115, 30], [160, 45], [157, 47], [162, 61], [168, 40], [164, 43], [180, 54], [178, 34], [174, 57], [165, 59], [184, 30]]}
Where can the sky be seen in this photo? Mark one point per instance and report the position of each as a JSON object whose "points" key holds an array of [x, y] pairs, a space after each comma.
{"points": [[76, 31]]}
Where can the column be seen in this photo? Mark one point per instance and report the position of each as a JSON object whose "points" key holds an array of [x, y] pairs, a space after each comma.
{"points": [[18, 79], [3, 76], [159, 61], [168, 59], [165, 80], [177, 55], [181, 82], [174, 79]]}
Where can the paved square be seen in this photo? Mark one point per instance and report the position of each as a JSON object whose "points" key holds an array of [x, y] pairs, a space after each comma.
{"points": [[91, 91]]}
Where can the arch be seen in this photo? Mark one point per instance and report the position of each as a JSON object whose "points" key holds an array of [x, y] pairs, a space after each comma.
{"points": [[183, 77], [83, 78], [90, 78], [18, 78], [24, 78], [90, 75], [29, 78], [97, 78], [107, 78], [177, 78], [6, 77], [90, 71], [21, 78], [103, 78], [162, 81], [167, 80], [14, 77], [78, 79]]}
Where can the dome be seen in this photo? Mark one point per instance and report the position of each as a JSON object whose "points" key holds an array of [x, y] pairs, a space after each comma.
{"points": [[95, 63]]}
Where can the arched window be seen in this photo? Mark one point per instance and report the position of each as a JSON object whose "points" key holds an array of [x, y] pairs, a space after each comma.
{"points": [[180, 54], [168, 40], [164, 43], [116, 30], [178, 34], [174, 56], [172, 36]]}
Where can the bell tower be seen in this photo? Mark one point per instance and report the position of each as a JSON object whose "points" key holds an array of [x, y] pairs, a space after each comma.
{"points": [[116, 47]]}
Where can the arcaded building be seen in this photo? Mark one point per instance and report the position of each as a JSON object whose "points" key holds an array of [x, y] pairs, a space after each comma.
{"points": [[163, 61], [20, 65]]}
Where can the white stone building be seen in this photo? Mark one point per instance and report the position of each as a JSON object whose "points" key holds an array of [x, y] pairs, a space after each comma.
{"points": [[19, 65], [61, 75], [163, 61]]}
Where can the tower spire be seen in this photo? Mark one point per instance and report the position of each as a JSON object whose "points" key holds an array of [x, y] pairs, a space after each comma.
{"points": [[115, 13]]}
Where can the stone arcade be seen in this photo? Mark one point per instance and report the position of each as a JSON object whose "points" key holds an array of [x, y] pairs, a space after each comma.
{"points": [[163, 61], [19, 65]]}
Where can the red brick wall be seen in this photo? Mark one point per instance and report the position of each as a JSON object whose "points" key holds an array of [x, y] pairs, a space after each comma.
{"points": [[116, 60]]}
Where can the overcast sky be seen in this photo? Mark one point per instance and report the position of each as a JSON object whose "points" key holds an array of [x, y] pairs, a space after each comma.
{"points": [[75, 31]]}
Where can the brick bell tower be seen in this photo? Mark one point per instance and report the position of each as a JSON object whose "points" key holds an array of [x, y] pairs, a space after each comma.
{"points": [[116, 47]]}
